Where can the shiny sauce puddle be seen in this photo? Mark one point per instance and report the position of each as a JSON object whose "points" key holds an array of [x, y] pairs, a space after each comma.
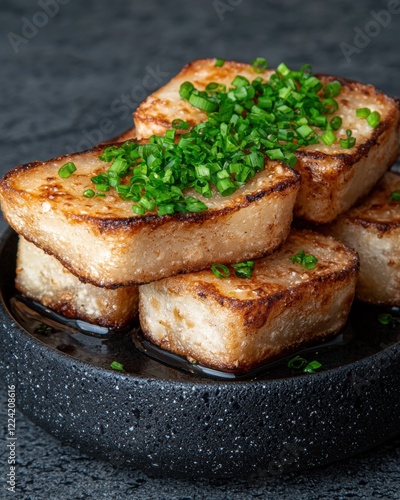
{"points": [[362, 336]]}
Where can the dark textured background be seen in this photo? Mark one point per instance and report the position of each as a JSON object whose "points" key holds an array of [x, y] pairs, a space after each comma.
{"points": [[76, 81]]}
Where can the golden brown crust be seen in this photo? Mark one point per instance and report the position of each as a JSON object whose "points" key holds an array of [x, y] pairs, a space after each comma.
{"points": [[154, 114], [347, 160], [376, 212], [237, 324], [42, 278], [333, 179], [373, 229], [53, 214]]}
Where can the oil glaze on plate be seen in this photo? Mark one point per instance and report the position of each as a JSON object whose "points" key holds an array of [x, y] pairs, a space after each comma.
{"points": [[173, 418]]}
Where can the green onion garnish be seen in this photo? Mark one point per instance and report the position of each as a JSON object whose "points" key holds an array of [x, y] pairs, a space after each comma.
{"points": [[304, 131], [180, 124], [117, 366], [186, 89], [88, 193], [259, 64], [220, 271], [336, 123], [388, 319], [67, 170], [244, 269], [246, 124], [328, 137], [363, 112], [395, 195], [312, 366], [332, 89], [374, 119], [308, 261], [202, 103], [138, 210], [349, 142], [299, 363], [219, 62]]}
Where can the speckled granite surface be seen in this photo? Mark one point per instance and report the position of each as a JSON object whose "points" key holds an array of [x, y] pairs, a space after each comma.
{"points": [[73, 76]]}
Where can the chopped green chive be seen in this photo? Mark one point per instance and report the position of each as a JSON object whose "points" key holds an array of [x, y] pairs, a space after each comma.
{"points": [[219, 62], [259, 64], [215, 87], [374, 119], [283, 70], [336, 123], [67, 170], [308, 261], [247, 124], [363, 112], [299, 363], [332, 89], [395, 195], [328, 137], [180, 124], [117, 366], [312, 366], [349, 142], [304, 131], [186, 89], [88, 193], [244, 269], [388, 319], [138, 210], [202, 103], [220, 271]]}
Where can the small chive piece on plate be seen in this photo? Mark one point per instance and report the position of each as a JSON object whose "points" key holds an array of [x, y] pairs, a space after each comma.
{"points": [[312, 366], [387, 319], [395, 196], [115, 365], [308, 261], [297, 363], [67, 170]]}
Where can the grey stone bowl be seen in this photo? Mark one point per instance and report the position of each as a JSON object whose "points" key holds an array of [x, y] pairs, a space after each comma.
{"points": [[171, 423]]}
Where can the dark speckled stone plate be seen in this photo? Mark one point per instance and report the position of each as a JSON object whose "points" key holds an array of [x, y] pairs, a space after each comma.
{"points": [[168, 421]]}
